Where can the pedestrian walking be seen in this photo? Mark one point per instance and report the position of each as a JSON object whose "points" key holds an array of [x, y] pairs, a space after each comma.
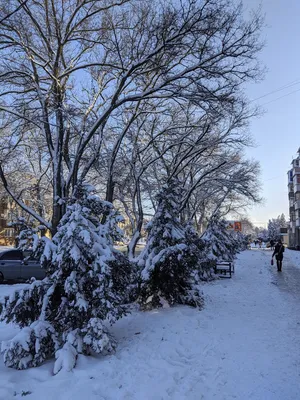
{"points": [[278, 253], [272, 244]]}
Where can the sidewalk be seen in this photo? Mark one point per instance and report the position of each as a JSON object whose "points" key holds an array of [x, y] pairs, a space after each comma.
{"points": [[289, 279]]}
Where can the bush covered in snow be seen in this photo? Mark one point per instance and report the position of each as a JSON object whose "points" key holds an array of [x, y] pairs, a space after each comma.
{"points": [[86, 282], [170, 263]]}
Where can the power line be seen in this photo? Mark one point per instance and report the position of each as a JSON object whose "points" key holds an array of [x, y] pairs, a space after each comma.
{"points": [[293, 83], [274, 177], [278, 98]]}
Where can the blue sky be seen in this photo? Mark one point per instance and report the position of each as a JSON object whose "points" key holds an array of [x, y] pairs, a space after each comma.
{"points": [[277, 132]]}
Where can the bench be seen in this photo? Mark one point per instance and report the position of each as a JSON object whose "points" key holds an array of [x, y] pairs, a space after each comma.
{"points": [[224, 267]]}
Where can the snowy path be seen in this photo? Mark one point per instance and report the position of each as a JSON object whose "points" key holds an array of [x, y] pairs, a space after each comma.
{"points": [[244, 345], [290, 279]]}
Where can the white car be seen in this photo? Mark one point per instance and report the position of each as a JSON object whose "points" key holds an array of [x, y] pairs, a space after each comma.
{"points": [[17, 265]]}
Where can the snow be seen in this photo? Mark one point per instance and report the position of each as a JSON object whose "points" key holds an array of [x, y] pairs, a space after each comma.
{"points": [[293, 255], [244, 344], [257, 246], [163, 254], [4, 248], [85, 236], [65, 358]]}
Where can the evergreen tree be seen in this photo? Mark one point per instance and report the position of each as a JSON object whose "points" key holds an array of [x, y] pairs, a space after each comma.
{"points": [[64, 314], [262, 234], [221, 245], [273, 229], [205, 264], [170, 261], [274, 226], [240, 241], [283, 223]]}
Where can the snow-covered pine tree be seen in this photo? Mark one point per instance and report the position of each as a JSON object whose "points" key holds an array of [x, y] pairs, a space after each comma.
{"points": [[205, 264], [220, 244], [64, 314], [262, 234], [169, 261], [283, 223], [240, 241], [274, 229], [274, 226]]}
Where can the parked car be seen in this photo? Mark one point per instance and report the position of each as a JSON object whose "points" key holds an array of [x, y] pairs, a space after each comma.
{"points": [[17, 265]]}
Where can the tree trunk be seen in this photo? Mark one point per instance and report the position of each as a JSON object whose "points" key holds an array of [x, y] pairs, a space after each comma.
{"points": [[110, 189], [133, 242], [59, 207], [137, 233]]}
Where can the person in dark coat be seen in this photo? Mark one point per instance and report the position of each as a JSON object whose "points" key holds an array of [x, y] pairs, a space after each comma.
{"points": [[272, 244], [278, 253]]}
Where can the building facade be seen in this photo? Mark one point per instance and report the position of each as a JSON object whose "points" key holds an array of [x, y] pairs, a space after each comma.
{"points": [[294, 202], [7, 233]]}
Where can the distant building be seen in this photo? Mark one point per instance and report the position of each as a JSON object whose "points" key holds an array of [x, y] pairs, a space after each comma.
{"points": [[7, 234], [284, 234], [33, 196], [235, 226], [9, 211], [294, 202]]}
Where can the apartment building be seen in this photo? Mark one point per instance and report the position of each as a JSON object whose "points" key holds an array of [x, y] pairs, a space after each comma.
{"points": [[7, 234], [294, 202]]}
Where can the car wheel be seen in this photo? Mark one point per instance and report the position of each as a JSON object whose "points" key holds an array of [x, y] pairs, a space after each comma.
{"points": [[1, 278]]}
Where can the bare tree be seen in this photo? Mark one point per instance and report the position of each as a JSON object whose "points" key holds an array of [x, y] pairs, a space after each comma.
{"points": [[7, 11], [71, 69], [205, 154]]}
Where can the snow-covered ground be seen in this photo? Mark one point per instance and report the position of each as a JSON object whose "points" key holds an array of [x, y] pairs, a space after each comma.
{"points": [[294, 256], [245, 344]]}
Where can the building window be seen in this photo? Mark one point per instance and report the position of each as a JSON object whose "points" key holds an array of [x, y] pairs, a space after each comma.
{"points": [[293, 216], [9, 233]]}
